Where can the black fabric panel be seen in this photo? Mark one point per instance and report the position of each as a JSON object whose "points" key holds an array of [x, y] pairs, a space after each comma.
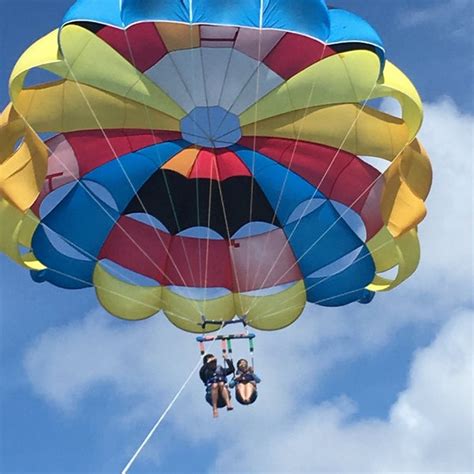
{"points": [[344, 47], [190, 198], [89, 25]]}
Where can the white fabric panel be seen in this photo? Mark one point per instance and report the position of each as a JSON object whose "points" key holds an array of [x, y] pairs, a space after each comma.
{"points": [[54, 198], [305, 208], [254, 228], [148, 219], [262, 82], [239, 72], [165, 75], [201, 233], [230, 78], [101, 193], [200, 294], [189, 65], [337, 266], [214, 62], [352, 219], [128, 276], [273, 290], [64, 247]]}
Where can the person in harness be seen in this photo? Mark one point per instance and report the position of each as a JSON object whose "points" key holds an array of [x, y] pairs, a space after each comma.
{"points": [[245, 382], [214, 377]]}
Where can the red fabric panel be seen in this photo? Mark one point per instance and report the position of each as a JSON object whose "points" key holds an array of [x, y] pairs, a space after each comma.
{"points": [[92, 149], [218, 165], [230, 164], [372, 212], [353, 185], [263, 261], [147, 256], [193, 256], [144, 47], [343, 177], [294, 53], [205, 166]]}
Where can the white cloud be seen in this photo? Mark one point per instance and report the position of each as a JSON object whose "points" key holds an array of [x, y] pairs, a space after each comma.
{"points": [[429, 428], [455, 15]]}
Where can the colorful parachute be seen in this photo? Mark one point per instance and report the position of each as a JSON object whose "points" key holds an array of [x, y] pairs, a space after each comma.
{"points": [[208, 158]]}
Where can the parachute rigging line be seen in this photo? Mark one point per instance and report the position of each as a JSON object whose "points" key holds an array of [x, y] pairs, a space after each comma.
{"points": [[78, 84], [168, 408]]}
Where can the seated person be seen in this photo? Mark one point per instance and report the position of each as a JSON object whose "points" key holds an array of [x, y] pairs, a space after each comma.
{"points": [[245, 382], [214, 377]]}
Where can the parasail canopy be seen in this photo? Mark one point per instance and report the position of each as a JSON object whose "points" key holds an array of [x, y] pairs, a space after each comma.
{"points": [[212, 158]]}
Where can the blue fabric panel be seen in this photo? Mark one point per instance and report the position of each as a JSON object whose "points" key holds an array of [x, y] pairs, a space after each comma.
{"points": [[333, 236], [158, 10], [271, 177], [367, 297], [124, 177], [309, 17], [81, 220], [162, 152], [98, 11], [71, 273], [344, 287], [349, 28]]}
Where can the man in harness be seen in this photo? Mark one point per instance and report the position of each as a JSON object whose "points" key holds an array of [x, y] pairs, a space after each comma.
{"points": [[214, 377]]}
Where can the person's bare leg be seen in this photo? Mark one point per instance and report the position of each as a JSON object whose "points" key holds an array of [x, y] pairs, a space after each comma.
{"points": [[225, 395], [241, 391], [249, 388], [214, 396]]}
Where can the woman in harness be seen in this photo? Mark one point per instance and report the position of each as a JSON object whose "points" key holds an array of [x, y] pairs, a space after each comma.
{"points": [[214, 377], [245, 382]]}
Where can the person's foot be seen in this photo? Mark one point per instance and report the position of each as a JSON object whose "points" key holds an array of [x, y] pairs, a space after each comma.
{"points": [[215, 413], [230, 407]]}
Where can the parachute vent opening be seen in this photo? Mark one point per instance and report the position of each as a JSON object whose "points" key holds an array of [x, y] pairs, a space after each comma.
{"points": [[390, 274], [387, 105], [211, 127], [40, 77], [18, 144], [379, 164]]}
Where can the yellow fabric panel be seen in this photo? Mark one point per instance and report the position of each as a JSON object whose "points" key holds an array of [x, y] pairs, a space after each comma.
{"points": [[415, 168], [45, 110], [342, 78], [16, 229], [92, 61], [366, 132], [383, 250], [275, 311], [183, 162], [125, 300], [178, 36], [407, 248], [12, 128], [44, 53], [407, 183], [185, 313], [22, 174], [398, 86], [27, 229]]}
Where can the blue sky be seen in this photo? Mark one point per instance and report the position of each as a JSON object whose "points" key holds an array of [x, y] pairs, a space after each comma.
{"points": [[379, 388]]}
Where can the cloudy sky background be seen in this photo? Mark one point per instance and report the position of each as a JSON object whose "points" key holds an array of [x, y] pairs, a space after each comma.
{"points": [[379, 388]]}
